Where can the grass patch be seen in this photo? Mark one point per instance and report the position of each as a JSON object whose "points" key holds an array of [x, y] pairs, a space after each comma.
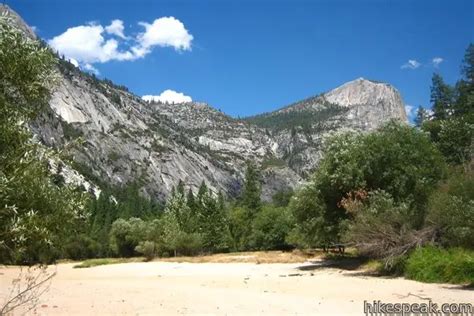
{"points": [[103, 261], [296, 256], [437, 265]]}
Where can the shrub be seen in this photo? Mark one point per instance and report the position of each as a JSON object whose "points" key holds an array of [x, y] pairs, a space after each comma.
{"points": [[148, 249], [382, 228], [125, 236], [451, 210], [314, 226], [81, 247], [432, 264], [270, 228]]}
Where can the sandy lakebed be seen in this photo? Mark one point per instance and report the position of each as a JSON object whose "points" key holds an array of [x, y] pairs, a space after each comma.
{"points": [[170, 288]]}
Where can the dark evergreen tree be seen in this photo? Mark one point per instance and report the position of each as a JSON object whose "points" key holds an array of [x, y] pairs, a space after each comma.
{"points": [[201, 192], [213, 223], [465, 87], [442, 98], [252, 189], [422, 115], [191, 201]]}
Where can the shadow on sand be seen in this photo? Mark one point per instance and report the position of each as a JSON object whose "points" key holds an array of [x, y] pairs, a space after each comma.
{"points": [[343, 263], [352, 265]]}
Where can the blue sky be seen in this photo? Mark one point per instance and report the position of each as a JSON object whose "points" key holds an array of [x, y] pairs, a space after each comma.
{"points": [[247, 57]]}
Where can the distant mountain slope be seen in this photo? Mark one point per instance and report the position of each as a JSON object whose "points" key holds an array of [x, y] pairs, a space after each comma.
{"points": [[299, 129], [126, 139]]}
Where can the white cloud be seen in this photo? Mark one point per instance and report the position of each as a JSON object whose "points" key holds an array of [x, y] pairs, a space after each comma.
{"points": [[34, 29], [92, 43], [87, 45], [166, 31], [91, 69], [437, 61], [411, 64], [116, 28], [74, 62], [168, 96]]}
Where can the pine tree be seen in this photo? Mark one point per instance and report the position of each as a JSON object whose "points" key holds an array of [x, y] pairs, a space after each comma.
{"points": [[213, 223], [468, 64], [177, 205], [191, 201], [252, 189], [422, 115], [442, 98], [201, 192], [180, 187], [465, 87]]}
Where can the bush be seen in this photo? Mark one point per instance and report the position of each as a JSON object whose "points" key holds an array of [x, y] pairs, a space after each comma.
{"points": [[81, 247], [148, 249], [270, 228], [314, 226], [239, 228], [382, 228], [125, 236], [431, 264], [455, 139], [451, 211]]}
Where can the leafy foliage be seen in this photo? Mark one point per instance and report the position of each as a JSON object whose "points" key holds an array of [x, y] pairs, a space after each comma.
{"points": [[431, 264], [451, 210], [35, 214]]}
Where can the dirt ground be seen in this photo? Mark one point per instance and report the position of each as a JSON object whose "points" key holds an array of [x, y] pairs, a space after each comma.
{"points": [[235, 288]]}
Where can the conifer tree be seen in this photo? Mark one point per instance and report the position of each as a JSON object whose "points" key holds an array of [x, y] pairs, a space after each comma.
{"points": [[252, 189], [442, 98], [422, 115]]}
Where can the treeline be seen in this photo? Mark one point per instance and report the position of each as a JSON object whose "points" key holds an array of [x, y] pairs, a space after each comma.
{"points": [[123, 223]]}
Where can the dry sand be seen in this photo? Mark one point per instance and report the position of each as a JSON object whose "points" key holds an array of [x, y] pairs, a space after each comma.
{"points": [[167, 288]]}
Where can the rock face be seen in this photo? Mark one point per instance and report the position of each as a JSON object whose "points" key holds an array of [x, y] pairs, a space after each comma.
{"points": [[115, 137]]}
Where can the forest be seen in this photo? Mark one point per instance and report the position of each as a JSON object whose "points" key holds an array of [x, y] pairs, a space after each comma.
{"points": [[400, 195]]}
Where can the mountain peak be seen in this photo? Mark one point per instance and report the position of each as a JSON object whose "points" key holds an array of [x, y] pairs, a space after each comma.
{"points": [[362, 91]]}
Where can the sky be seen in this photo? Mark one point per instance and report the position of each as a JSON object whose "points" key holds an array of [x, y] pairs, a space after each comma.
{"points": [[247, 57]]}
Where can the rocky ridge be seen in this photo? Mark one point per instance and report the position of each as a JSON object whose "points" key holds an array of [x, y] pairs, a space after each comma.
{"points": [[115, 137]]}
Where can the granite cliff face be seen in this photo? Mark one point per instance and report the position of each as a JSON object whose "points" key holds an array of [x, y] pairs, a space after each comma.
{"points": [[115, 137]]}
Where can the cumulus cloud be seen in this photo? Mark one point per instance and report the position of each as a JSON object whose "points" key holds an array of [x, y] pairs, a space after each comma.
{"points": [[93, 43], [411, 64], [116, 28], [87, 45], [166, 31], [437, 61], [168, 96], [91, 69]]}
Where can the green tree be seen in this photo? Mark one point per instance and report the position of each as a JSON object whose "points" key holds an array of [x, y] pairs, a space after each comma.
{"points": [[442, 98], [36, 216], [270, 228], [282, 198], [252, 188], [422, 116], [213, 223], [125, 235], [451, 210], [177, 205], [398, 159]]}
